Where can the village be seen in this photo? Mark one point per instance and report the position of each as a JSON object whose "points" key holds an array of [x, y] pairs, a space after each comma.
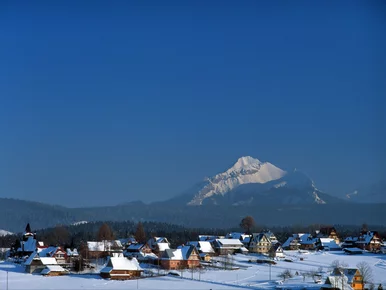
{"points": [[128, 259]]}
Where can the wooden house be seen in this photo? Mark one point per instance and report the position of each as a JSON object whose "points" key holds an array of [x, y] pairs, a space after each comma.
{"points": [[141, 252], [340, 278], [260, 243], [119, 267], [276, 251], [328, 232], [204, 248], [43, 265], [369, 241], [228, 246], [184, 257], [158, 244]]}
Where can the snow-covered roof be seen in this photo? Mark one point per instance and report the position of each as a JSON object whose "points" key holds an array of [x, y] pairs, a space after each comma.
{"points": [[290, 241], [173, 254], [208, 238], [121, 263], [337, 282], [33, 256], [353, 250], [29, 245], [163, 246], [72, 253], [48, 261], [229, 243], [330, 243], [53, 268], [135, 247], [49, 251], [206, 247]]}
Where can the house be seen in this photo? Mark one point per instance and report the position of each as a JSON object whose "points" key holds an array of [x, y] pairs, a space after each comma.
{"points": [[346, 276], [328, 232], [102, 249], [228, 246], [43, 265], [181, 258], [54, 252], [328, 244], [276, 251], [204, 248], [140, 251], [209, 238], [353, 251], [158, 244], [369, 241], [292, 243], [349, 242], [336, 283], [307, 242], [119, 267], [244, 238], [261, 242]]}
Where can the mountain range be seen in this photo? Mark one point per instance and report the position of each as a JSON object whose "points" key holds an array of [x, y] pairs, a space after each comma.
{"points": [[249, 187], [252, 182]]}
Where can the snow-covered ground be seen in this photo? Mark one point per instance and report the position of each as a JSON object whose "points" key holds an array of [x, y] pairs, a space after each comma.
{"points": [[249, 276]]}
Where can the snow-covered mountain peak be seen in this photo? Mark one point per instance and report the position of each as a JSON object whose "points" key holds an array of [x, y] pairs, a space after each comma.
{"points": [[245, 170], [246, 162]]}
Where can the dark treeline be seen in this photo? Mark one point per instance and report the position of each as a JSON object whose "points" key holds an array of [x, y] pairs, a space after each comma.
{"points": [[75, 235]]}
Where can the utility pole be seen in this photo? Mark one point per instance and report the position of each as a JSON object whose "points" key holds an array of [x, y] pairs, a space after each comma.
{"points": [[270, 271], [7, 280]]}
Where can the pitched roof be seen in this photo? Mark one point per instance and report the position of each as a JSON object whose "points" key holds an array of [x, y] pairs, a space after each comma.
{"points": [[330, 243], [53, 268], [121, 263], [230, 242]]}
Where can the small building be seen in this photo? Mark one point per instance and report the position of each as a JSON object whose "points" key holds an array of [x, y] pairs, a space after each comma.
{"points": [[353, 251], [184, 257], [54, 252], [204, 248], [328, 232], [244, 238], [43, 265], [369, 241], [141, 252], [351, 276], [292, 243], [328, 244], [276, 251], [119, 267], [261, 243], [158, 244], [228, 246]]}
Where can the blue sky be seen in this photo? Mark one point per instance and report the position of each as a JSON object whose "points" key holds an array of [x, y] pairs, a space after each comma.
{"points": [[127, 100]]}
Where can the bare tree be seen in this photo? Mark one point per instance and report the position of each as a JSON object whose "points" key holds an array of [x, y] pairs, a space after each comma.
{"points": [[247, 224], [286, 274], [314, 274], [337, 264], [140, 235], [366, 272]]}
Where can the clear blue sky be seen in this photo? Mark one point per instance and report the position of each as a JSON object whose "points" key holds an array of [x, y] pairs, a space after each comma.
{"points": [[126, 100]]}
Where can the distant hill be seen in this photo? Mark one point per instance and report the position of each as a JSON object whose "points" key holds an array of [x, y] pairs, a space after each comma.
{"points": [[15, 214], [373, 193]]}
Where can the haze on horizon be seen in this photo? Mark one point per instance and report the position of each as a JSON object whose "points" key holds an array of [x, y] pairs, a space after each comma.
{"points": [[127, 100]]}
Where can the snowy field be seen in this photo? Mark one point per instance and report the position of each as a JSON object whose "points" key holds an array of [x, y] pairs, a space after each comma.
{"points": [[249, 276]]}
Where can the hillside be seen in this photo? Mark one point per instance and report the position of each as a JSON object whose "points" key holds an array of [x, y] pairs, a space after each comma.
{"points": [[15, 214]]}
